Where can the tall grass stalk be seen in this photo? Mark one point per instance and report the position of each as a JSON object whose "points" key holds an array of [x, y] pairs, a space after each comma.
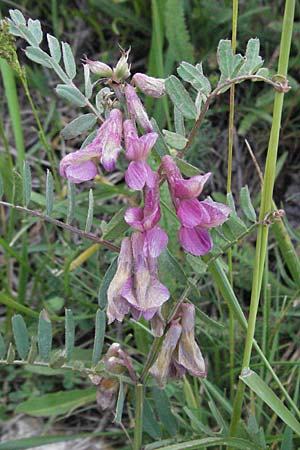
{"points": [[14, 109], [235, 6], [265, 207]]}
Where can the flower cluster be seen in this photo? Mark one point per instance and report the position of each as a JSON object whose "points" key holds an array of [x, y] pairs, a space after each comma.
{"points": [[179, 352], [196, 216], [135, 287]]}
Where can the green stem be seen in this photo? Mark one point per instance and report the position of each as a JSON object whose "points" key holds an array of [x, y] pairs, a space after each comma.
{"points": [[14, 109], [266, 205], [229, 177], [138, 428]]}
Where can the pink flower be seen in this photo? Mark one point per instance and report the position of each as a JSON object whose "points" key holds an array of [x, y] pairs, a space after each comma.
{"points": [[135, 287], [196, 217], [154, 87], [137, 150], [179, 352], [136, 108], [81, 165], [146, 219]]}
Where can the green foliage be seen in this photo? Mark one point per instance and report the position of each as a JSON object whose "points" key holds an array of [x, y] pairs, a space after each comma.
{"points": [[176, 31]]}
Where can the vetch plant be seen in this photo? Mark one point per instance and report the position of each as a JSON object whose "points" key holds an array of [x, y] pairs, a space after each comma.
{"points": [[122, 136]]}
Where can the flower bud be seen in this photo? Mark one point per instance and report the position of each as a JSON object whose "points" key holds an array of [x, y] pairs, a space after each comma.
{"points": [[154, 87], [99, 68], [122, 69]]}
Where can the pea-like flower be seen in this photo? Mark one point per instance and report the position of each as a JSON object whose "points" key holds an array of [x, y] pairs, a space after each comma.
{"points": [[81, 165], [195, 216], [154, 87], [136, 108], [135, 287], [137, 150], [179, 352], [145, 219]]}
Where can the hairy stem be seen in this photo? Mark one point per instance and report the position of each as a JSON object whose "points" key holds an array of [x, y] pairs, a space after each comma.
{"points": [[66, 226]]}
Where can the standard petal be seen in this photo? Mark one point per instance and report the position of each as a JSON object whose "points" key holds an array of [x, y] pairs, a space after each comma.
{"points": [[136, 108], [156, 240], [155, 87], [217, 212], [191, 188], [191, 213], [80, 172], [134, 217], [195, 240], [137, 175]]}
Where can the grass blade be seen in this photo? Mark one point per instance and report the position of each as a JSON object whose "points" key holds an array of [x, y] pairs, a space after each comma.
{"points": [[99, 336]]}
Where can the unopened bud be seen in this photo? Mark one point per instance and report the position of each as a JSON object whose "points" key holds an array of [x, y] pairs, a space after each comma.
{"points": [[136, 108], [154, 87], [99, 68], [122, 69]]}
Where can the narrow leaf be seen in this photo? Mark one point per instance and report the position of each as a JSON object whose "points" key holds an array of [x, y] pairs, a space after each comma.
{"points": [[54, 47], [163, 409], [207, 442], [71, 94], [160, 146], [90, 214], [252, 59], [194, 75], [177, 32], [69, 334], [71, 202], [49, 193], [229, 64], [120, 404], [59, 403], [32, 354], [88, 87], [69, 60], [102, 294], [27, 183], [180, 97], [175, 140], [116, 227], [99, 336], [37, 55], [34, 27], [179, 122], [2, 347], [1, 186], [44, 336], [17, 16], [11, 354], [21, 335], [79, 126], [246, 204], [265, 393]]}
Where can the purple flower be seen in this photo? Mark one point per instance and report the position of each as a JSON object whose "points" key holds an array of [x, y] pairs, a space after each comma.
{"points": [[81, 165], [135, 286], [179, 352], [136, 108], [146, 219], [196, 217], [137, 150], [143, 291], [154, 87]]}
